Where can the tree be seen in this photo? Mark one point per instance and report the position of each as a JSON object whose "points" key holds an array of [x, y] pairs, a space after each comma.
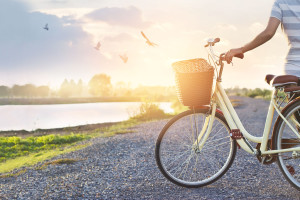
{"points": [[100, 85], [79, 87], [29, 90], [17, 91], [42, 91], [121, 89], [65, 89], [4, 91]]}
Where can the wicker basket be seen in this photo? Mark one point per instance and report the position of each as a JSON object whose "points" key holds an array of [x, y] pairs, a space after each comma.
{"points": [[194, 79]]}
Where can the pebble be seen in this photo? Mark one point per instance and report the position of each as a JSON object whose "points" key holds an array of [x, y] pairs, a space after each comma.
{"points": [[124, 167]]}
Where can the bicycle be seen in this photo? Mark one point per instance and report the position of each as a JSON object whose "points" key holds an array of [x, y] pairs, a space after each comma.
{"points": [[197, 147]]}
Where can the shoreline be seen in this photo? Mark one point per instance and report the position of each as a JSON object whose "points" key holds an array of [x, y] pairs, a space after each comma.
{"points": [[61, 131], [74, 100]]}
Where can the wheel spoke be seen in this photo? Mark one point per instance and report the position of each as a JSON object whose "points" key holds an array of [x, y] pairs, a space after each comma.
{"points": [[177, 158], [182, 162], [285, 138]]}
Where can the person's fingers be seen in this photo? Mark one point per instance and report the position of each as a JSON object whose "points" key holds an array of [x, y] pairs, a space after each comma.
{"points": [[228, 57]]}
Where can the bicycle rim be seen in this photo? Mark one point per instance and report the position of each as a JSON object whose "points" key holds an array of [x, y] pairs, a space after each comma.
{"points": [[289, 162], [185, 165]]}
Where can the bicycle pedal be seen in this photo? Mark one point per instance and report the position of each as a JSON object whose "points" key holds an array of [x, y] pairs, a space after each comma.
{"points": [[236, 134]]}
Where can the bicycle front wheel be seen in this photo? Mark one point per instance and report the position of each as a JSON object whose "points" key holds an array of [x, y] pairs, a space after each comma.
{"points": [[284, 138], [179, 157]]}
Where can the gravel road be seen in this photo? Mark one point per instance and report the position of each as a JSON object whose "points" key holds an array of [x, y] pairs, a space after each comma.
{"points": [[123, 167]]}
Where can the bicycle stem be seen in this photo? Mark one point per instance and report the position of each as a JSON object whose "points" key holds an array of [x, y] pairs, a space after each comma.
{"points": [[219, 79]]}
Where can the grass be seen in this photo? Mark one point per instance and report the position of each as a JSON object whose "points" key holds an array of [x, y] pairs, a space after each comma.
{"points": [[43, 148], [236, 102], [13, 174], [17, 152], [34, 158], [13, 147], [58, 162]]}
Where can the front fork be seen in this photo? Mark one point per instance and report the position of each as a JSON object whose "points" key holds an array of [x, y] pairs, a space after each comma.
{"points": [[206, 129]]}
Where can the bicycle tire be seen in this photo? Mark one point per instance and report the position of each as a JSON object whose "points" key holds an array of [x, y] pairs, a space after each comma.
{"points": [[283, 138], [205, 176]]}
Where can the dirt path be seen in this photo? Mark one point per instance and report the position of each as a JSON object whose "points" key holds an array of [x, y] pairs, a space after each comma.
{"points": [[123, 167]]}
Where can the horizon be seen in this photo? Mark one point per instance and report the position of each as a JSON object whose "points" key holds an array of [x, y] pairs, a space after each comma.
{"points": [[66, 50]]}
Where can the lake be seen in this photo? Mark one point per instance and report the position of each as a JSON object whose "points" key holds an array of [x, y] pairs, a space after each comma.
{"points": [[31, 117]]}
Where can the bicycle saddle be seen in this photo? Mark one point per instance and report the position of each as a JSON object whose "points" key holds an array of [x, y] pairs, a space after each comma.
{"points": [[282, 80]]}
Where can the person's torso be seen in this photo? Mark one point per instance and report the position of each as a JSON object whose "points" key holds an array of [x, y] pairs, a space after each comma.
{"points": [[291, 24]]}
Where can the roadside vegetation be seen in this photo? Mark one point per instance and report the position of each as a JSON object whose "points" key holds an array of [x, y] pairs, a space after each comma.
{"points": [[16, 151], [253, 93], [150, 111], [12, 147]]}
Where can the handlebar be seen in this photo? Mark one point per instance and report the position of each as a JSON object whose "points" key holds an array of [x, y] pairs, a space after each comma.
{"points": [[212, 42]]}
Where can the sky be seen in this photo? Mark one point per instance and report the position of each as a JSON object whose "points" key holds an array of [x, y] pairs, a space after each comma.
{"points": [[31, 54]]}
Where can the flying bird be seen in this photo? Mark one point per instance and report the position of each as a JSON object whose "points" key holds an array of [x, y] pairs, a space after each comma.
{"points": [[124, 58], [46, 27], [148, 41], [97, 47]]}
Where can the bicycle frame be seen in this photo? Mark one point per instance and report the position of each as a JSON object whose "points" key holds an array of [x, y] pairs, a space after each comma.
{"points": [[220, 97], [234, 122]]}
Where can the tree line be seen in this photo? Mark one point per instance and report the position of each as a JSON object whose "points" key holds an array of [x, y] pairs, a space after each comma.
{"points": [[253, 93], [100, 85], [28, 90]]}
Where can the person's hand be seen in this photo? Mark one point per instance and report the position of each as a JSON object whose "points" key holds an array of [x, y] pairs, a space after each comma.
{"points": [[231, 53]]}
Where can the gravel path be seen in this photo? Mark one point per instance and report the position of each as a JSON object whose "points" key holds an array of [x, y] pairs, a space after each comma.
{"points": [[123, 167]]}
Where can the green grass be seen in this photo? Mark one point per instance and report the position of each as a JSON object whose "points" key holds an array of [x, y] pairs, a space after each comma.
{"points": [[12, 147], [34, 158], [16, 152], [13, 174]]}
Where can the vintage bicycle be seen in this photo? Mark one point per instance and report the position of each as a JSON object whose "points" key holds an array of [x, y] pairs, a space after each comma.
{"points": [[197, 147]]}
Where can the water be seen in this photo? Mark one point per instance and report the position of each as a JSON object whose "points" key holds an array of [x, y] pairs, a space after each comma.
{"points": [[31, 117]]}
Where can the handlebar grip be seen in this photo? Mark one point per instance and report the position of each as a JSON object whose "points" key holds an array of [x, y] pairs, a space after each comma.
{"points": [[212, 42], [216, 40], [241, 56]]}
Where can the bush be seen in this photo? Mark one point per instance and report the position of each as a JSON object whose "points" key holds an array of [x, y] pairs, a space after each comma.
{"points": [[257, 92], [150, 111], [178, 107]]}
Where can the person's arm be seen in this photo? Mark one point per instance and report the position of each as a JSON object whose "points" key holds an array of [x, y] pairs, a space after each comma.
{"points": [[260, 39]]}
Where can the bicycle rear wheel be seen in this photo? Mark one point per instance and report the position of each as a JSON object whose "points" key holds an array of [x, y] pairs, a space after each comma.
{"points": [[289, 162], [179, 159]]}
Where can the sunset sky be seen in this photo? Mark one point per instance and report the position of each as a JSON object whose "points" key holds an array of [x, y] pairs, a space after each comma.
{"points": [[30, 54]]}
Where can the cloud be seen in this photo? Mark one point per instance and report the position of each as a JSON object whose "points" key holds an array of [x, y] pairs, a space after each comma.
{"points": [[229, 27], [130, 17], [256, 27], [122, 37], [28, 53]]}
